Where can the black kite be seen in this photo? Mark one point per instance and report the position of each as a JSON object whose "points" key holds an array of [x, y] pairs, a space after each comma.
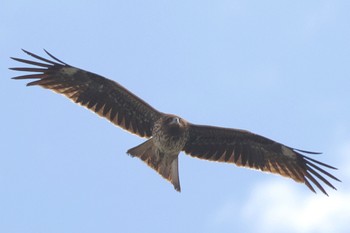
{"points": [[170, 134]]}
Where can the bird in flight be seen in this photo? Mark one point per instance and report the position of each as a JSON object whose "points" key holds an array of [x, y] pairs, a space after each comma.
{"points": [[167, 134]]}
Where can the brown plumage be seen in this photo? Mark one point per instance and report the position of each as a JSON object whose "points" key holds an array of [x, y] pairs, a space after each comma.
{"points": [[169, 134]]}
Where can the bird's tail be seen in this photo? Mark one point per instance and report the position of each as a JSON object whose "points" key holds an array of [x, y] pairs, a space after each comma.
{"points": [[166, 165]]}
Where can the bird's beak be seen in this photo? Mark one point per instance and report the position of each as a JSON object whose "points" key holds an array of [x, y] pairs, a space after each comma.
{"points": [[175, 121]]}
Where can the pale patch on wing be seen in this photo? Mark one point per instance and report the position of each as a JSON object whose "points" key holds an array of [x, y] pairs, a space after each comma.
{"points": [[288, 152], [70, 71]]}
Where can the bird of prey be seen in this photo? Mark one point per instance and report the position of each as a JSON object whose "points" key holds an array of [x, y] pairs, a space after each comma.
{"points": [[170, 134]]}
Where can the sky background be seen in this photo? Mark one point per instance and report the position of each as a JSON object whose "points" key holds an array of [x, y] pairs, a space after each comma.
{"points": [[276, 68]]}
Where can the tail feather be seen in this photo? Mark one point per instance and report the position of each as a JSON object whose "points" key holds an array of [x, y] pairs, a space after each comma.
{"points": [[165, 164]]}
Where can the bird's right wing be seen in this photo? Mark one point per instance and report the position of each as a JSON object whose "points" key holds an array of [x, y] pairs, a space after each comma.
{"points": [[101, 95]]}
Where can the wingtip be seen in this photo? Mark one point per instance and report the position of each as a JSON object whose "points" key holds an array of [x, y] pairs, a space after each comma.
{"points": [[55, 58], [307, 152], [26, 51], [16, 59], [30, 84], [323, 191]]}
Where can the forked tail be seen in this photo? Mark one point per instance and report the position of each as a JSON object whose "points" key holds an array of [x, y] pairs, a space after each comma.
{"points": [[165, 164]]}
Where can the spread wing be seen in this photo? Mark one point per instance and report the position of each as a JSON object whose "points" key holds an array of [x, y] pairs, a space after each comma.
{"points": [[101, 95], [253, 151]]}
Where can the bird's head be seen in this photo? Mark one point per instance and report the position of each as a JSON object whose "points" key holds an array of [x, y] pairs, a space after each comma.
{"points": [[174, 125]]}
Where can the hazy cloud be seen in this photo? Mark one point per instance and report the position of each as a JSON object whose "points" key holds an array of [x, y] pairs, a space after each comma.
{"points": [[278, 206]]}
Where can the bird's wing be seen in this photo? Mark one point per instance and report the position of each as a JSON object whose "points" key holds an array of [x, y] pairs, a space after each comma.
{"points": [[253, 151], [101, 95]]}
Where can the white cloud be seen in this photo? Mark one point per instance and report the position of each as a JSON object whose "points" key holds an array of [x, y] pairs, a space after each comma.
{"points": [[282, 207], [277, 207]]}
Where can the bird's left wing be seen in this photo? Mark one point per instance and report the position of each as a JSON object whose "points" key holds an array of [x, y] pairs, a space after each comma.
{"points": [[101, 95], [253, 151]]}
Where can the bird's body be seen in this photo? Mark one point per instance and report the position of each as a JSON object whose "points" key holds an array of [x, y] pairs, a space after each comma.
{"points": [[169, 134]]}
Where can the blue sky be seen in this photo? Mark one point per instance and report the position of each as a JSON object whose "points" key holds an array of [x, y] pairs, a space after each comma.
{"points": [[276, 68]]}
